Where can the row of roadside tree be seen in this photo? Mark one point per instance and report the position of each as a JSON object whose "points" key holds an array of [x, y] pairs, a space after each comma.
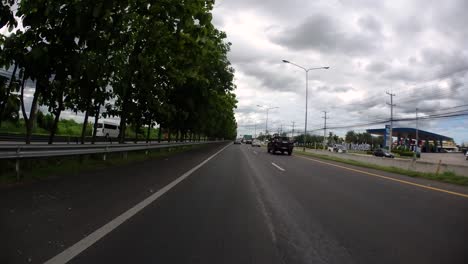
{"points": [[146, 62]]}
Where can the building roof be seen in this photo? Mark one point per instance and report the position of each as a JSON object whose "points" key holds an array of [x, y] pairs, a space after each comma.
{"points": [[410, 133]]}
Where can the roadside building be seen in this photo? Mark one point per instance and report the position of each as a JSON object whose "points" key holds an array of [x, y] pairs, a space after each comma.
{"points": [[428, 141]]}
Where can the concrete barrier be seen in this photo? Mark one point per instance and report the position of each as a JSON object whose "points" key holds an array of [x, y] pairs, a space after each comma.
{"points": [[407, 164]]}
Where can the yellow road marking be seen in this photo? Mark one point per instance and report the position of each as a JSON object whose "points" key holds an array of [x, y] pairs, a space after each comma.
{"points": [[388, 178]]}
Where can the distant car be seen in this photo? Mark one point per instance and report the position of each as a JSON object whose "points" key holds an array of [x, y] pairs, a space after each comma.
{"points": [[238, 141], [283, 144], [383, 153], [256, 143], [466, 155]]}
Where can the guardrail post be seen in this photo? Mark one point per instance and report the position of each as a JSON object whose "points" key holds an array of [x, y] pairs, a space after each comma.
{"points": [[105, 154], [17, 163], [438, 167]]}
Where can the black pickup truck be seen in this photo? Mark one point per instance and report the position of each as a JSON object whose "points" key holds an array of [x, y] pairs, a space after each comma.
{"points": [[283, 144]]}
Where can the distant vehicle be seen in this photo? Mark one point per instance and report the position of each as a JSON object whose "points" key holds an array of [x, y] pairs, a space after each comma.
{"points": [[107, 129], [337, 148], [256, 143], [466, 155], [247, 139], [238, 141], [282, 144], [383, 153]]}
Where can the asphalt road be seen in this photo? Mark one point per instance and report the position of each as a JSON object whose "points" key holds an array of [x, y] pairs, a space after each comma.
{"points": [[247, 206]]}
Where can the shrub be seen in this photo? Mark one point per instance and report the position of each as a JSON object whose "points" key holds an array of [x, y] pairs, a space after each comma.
{"points": [[406, 153]]}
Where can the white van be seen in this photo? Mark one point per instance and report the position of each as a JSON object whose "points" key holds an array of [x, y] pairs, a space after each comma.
{"points": [[107, 129]]}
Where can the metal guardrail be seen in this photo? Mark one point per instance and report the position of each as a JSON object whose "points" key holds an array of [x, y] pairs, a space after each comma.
{"points": [[19, 152], [11, 151], [11, 137]]}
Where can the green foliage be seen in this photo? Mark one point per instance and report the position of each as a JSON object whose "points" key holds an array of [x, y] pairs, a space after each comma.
{"points": [[157, 62], [403, 152], [313, 139], [44, 121]]}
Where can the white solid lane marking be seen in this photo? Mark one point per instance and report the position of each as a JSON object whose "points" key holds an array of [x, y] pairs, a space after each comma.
{"points": [[71, 252], [278, 167]]}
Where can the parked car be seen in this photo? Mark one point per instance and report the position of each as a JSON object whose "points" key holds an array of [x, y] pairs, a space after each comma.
{"points": [[466, 155], [383, 153], [256, 143], [282, 144], [238, 141]]}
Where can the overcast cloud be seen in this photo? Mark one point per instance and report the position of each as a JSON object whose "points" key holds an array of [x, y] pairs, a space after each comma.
{"points": [[415, 49]]}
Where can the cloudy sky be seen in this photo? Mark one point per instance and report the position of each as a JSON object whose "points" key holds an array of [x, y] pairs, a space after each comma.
{"points": [[414, 49]]}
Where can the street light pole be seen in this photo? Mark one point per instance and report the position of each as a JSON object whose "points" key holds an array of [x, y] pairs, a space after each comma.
{"points": [[307, 91], [266, 121], [417, 137], [307, 96]]}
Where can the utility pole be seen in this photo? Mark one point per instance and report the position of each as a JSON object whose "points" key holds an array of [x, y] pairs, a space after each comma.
{"points": [[281, 129], [292, 134], [391, 120], [255, 127], [324, 128], [417, 136]]}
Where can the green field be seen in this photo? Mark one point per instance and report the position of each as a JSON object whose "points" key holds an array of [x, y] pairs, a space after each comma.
{"points": [[69, 127]]}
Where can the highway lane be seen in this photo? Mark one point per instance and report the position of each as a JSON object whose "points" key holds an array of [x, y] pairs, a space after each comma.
{"points": [[247, 206]]}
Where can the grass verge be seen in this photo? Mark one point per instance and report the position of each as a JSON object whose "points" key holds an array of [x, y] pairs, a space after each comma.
{"points": [[48, 168], [448, 177]]}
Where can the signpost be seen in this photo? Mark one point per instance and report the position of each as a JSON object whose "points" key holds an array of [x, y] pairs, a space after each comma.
{"points": [[387, 137]]}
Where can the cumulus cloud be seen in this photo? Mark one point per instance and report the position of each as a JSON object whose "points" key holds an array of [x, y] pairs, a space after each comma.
{"points": [[414, 49], [325, 34]]}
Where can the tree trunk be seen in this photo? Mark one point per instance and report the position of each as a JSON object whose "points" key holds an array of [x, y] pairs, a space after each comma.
{"points": [[96, 119], [32, 114], [8, 91], [85, 124], [23, 108], [159, 134], [56, 119], [123, 119], [137, 126], [54, 126], [168, 135], [148, 133]]}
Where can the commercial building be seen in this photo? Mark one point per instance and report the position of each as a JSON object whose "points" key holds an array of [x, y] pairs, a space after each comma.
{"points": [[428, 141]]}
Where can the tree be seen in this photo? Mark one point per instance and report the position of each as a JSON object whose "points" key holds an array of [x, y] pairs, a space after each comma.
{"points": [[147, 62]]}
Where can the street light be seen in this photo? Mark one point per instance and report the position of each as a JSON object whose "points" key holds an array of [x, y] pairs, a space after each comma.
{"points": [[307, 93], [266, 121]]}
